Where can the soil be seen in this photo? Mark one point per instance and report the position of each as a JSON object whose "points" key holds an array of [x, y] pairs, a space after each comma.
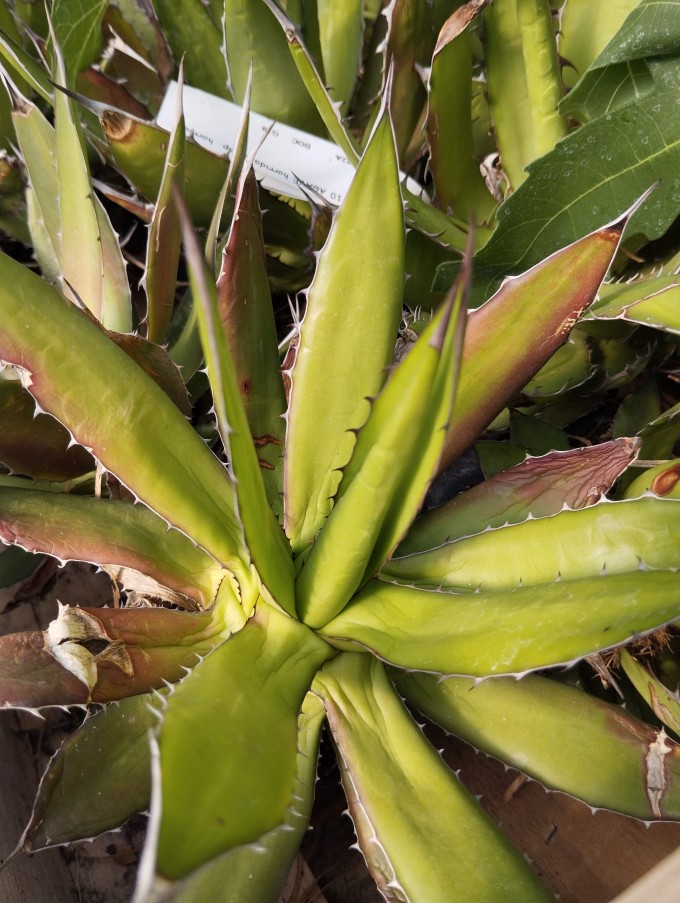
{"points": [[584, 857]]}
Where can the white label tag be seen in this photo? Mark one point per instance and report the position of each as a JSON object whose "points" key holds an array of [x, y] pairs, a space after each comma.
{"points": [[288, 157]]}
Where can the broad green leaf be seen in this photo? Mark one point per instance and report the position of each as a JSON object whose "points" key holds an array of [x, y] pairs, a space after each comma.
{"points": [[108, 533], [664, 704], [135, 650], [523, 83], [561, 736], [393, 462], [607, 89], [246, 312], [538, 487], [236, 714], [36, 446], [341, 34], [119, 412], [78, 27], [164, 238], [80, 792], [192, 33], [589, 177], [504, 631], [541, 306], [347, 337], [459, 187], [254, 38], [257, 873], [585, 30], [609, 537], [637, 409], [535, 436], [436, 844], [264, 537]]}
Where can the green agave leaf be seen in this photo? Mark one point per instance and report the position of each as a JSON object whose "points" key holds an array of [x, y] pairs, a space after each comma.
{"points": [[664, 704], [246, 311], [139, 150], [650, 302], [660, 435], [138, 649], [347, 337], [253, 38], [407, 47], [588, 177], [78, 28], [108, 533], [637, 409], [265, 538], [81, 260], [257, 873], [80, 792], [523, 83], [36, 446], [561, 736], [236, 714], [663, 480], [164, 240], [504, 631], [437, 844], [538, 487], [419, 213], [23, 68], [569, 367], [541, 306], [341, 36], [391, 467], [460, 188], [142, 438], [609, 537], [192, 33]]}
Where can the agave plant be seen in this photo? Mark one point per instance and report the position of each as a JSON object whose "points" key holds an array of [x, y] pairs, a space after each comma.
{"points": [[307, 589]]}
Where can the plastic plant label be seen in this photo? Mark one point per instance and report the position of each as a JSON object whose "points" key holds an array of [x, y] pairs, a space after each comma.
{"points": [[288, 161]]}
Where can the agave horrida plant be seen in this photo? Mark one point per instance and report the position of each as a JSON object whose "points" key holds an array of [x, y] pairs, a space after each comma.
{"points": [[308, 590]]}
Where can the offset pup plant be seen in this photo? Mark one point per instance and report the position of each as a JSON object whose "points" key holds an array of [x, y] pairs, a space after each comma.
{"points": [[315, 607]]}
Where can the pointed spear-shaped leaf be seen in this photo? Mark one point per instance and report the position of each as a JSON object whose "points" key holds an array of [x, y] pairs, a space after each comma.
{"points": [[256, 873], [108, 533], [504, 631], [437, 844], [538, 309], [609, 537], [103, 654], [246, 311], [236, 714], [538, 487], [109, 751], [119, 412], [347, 337], [165, 234], [265, 538], [561, 736], [391, 467], [664, 703]]}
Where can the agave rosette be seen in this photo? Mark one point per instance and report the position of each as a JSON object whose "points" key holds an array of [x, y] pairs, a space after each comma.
{"points": [[311, 614]]}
